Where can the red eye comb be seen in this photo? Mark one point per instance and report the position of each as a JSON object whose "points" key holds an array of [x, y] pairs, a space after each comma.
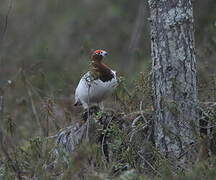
{"points": [[98, 51]]}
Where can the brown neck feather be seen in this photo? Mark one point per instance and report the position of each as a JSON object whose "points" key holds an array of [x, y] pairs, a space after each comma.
{"points": [[101, 71], [96, 57]]}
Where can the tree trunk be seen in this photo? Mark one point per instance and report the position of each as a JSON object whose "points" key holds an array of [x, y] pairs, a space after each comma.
{"points": [[174, 77]]}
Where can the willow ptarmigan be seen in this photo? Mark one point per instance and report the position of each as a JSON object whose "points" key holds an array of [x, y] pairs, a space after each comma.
{"points": [[97, 83]]}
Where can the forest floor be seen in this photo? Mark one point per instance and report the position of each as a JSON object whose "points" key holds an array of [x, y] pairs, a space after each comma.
{"points": [[45, 137]]}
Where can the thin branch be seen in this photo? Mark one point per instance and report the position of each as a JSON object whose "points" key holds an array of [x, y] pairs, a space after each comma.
{"points": [[33, 107], [141, 112], [6, 21], [149, 164], [2, 35], [104, 136], [187, 150]]}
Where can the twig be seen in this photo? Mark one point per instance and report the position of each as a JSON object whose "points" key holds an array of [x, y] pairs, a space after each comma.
{"points": [[52, 137], [132, 113], [134, 129], [133, 125], [203, 111], [150, 165], [104, 136], [4, 30], [34, 111], [206, 127], [185, 152], [6, 21], [141, 112]]}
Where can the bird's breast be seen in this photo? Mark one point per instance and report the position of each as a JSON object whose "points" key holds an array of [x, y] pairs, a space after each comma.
{"points": [[95, 89]]}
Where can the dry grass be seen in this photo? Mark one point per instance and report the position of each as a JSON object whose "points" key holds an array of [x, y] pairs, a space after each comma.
{"points": [[120, 146]]}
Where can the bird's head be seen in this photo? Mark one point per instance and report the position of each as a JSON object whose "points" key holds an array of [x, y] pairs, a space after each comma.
{"points": [[98, 55]]}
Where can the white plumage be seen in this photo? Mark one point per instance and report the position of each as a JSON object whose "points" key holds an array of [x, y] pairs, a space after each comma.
{"points": [[91, 90]]}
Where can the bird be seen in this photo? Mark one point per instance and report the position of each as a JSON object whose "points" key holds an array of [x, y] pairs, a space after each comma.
{"points": [[98, 83]]}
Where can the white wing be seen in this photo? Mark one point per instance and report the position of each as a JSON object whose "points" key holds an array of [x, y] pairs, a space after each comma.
{"points": [[93, 91]]}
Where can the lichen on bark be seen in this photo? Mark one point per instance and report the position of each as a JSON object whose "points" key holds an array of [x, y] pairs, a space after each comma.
{"points": [[174, 77]]}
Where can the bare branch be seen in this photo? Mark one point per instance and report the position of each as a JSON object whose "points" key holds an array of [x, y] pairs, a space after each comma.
{"points": [[6, 22]]}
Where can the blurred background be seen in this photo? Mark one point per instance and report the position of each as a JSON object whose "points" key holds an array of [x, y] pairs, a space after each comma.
{"points": [[45, 47]]}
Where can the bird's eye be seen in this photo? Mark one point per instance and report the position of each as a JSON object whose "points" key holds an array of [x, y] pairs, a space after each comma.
{"points": [[98, 52]]}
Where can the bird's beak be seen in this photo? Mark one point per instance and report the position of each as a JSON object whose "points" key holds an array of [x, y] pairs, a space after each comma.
{"points": [[105, 53]]}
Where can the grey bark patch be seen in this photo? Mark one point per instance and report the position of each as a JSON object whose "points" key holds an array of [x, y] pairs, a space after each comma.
{"points": [[174, 77]]}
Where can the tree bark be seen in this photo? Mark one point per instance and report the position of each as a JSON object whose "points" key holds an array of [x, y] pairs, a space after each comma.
{"points": [[174, 77]]}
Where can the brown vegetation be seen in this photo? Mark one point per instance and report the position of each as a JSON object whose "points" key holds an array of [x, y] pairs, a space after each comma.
{"points": [[44, 49]]}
